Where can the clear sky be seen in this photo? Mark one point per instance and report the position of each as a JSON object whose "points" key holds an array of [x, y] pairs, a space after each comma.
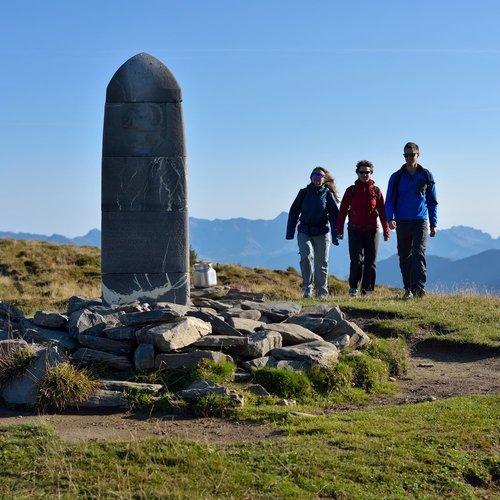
{"points": [[271, 89]]}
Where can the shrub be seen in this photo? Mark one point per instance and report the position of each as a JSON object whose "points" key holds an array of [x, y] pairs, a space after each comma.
{"points": [[368, 373], [14, 361], [394, 352], [215, 405], [139, 398], [168, 402], [333, 378], [283, 382], [63, 386], [88, 260], [209, 370]]}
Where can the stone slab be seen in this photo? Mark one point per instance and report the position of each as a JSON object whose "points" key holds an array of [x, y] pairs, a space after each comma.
{"points": [[103, 398], [275, 311], [319, 352], [292, 334], [144, 357], [150, 317], [153, 242], [188, 359], [143, 129], [85, 355], [35, 333], [124, 288], [124, 385], [50, 319], [150, 184], [107, 345], [245, 326]]}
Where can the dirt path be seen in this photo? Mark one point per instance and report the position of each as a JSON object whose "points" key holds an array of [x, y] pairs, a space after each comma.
{"points": [[432, 374]]}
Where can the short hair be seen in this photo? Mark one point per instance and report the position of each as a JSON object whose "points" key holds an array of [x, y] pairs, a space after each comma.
{"points": [[412, 146], [365, 163]]}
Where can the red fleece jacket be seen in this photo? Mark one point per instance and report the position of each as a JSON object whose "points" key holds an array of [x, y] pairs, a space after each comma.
{"points": [[364, 206]]}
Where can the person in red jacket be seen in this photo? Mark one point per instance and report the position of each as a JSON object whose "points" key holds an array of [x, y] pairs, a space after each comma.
{"points": [[364, 203]]}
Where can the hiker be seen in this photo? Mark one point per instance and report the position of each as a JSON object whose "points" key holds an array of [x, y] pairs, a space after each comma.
{"points": [[411, 200], [315, 208], [363, 202]]}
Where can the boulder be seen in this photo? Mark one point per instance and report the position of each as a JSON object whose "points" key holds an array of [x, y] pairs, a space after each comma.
{"points": [[123, 333], [85, 355], [104, 398], [10, 312], [222, 342], [245, 326], [180, 309], [150, 317], [35, 333], [188, 359], [292, 334], [201, 388], [335, 314], [50, 319], [176, 335], [214, 292], [117, 347], [219, 326], [309, 321], [317, 352], [358, 338], [144, 357], [82, 320], [260, 343], [258, 390], [271, 361], [275, 311], [124, 386], [77, 303], [236, 312], [342, 342], [24, 389]]}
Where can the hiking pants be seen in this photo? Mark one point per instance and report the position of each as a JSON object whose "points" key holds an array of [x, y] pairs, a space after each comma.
{"points": [[313, 252], [412, 240], [363, 246]]}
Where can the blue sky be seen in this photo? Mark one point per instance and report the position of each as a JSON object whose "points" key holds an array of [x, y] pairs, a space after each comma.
{"points": [[271, 89]]}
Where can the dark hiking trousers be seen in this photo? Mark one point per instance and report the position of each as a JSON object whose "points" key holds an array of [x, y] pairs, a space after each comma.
{"points": [[412, 240], [363, 247]]}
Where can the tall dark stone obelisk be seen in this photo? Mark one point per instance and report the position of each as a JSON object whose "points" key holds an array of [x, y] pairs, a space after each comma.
{"points": [[145, 250]]}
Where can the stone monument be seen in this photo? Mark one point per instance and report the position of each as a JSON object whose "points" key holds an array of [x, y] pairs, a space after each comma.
{"points": [[145, 249]]}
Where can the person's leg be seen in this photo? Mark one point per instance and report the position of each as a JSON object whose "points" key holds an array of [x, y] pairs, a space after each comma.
{"points": [[306, 259], [356, 256], [404, 236], [418, 275], [321, 245], [370, 246]]}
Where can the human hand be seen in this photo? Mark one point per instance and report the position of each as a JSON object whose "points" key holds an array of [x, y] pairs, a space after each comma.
{"points": [[432, 232], [335, 242], [289, 237], [340, 236], [392, 224]]}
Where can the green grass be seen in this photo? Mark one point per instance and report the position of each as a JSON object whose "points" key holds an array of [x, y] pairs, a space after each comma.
{"points": [[440, 449]]}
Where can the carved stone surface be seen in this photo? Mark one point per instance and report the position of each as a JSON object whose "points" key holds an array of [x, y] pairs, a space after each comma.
{"points": [[144, 204]]}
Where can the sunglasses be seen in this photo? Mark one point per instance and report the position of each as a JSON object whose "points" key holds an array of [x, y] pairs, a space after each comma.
{"points": [[410, 155], [318, 175], [364, 172]]}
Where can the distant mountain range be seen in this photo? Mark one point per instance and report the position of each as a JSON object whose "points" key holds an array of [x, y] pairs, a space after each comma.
{"points": [[459, 257]]}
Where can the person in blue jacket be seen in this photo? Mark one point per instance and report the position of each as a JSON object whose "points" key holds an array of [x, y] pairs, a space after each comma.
{"points": [[315, 209], [410, 201]]}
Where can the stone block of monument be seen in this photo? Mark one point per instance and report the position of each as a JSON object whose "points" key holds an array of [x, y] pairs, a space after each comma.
{"points": [[145, 249]]}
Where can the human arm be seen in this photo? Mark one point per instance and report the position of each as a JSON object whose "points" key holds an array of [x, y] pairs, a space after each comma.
{"points": [[293, 215], [431, 200], [344, 207], [382, 215], [389, 207], [333, 213]]}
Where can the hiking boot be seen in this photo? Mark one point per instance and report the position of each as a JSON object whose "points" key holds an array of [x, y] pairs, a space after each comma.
{"points": [[407, 295], [308, 294], [365, 293], [419, 292], [353, 292]]}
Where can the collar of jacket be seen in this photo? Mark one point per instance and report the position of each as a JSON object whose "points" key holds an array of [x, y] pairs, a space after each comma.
{"points": [[370, 183], [418, 169], [317, 189]]}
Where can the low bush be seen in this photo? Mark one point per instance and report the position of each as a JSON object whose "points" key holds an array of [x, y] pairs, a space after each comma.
{"points": [[333, 378], [14, 361], [168, 402], [368, 373], [64, 386], [394, 352], [209, 370], [215, 405], [283, 382], [139, 398]]}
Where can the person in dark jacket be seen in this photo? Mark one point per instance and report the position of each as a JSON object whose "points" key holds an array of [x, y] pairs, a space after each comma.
{"points": [[411, 200], [364, 204], [315, 209]]}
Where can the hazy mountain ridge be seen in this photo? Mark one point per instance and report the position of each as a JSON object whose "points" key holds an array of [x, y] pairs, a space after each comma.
{"points": [[261, 243]]}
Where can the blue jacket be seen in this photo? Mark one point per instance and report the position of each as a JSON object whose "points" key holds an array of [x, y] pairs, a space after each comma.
{"points": [[316, 208], [415, 198]]}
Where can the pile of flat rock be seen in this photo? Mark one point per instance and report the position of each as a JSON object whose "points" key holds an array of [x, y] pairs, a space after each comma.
{"points": [[220, 324]]}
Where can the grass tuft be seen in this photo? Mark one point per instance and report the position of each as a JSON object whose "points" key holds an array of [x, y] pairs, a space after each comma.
{"points": [[215, 405], [394, 352], [283, 382], [333, 378], [369, 373], [64, 386], [14, 361]]}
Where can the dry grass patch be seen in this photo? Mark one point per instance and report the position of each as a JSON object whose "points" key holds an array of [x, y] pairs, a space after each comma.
{"points": [[14, 361]]}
